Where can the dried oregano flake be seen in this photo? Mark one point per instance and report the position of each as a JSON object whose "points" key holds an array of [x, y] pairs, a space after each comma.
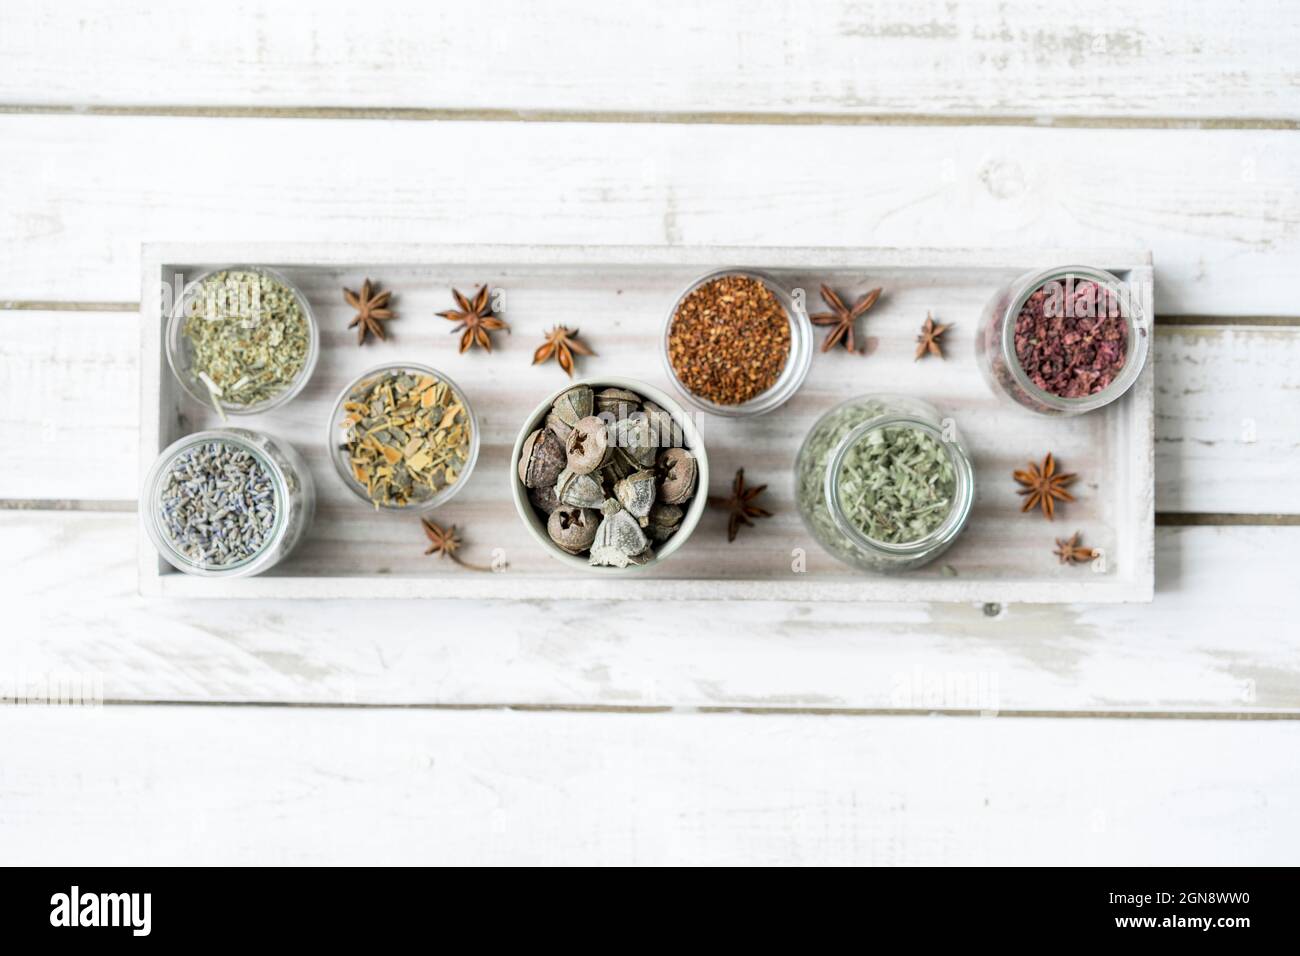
{"points": [[248, 336], [892, 487], [896, 484]]}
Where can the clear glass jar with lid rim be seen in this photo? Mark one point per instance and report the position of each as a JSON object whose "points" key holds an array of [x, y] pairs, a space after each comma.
{"points": [[293, 493], [995, 340], [819, 472], [797, 362]]}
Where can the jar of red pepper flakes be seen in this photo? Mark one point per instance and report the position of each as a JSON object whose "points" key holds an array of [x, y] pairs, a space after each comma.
{"points": [[1064, 341]]}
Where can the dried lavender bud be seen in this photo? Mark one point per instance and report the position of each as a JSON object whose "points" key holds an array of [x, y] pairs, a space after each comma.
{"points": [[618, 539], [541, 460], [581, 491], [573, 529], [617, 402], [217, 504], [664, 520], [544, 499], [677, 470], [636, 493], [588, 445], [574, 405]]}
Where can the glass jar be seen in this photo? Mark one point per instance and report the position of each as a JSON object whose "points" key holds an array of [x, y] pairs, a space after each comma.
{"points": [[180, 350], [995, 341], [820, 470], [797, 362], [338, 449], [293, 496]]}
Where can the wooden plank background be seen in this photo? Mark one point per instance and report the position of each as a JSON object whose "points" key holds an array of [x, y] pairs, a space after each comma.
{"points": [[1194, 59], [275, 785], [921, 124]]}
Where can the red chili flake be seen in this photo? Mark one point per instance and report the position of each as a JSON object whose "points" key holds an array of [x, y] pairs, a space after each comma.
{"points": [[1071, 339]]}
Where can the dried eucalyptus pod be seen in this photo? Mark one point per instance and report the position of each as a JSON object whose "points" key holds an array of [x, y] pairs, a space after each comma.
{"points": [[588, 445], [574, 405], [541, 460], [617, 468], [633, 442], [573, 529], [677, 472], [636, 493], [617, 402], [581, 491], [544, 499], [663, 430], [558, 427], [619, 538], [663, 521]]}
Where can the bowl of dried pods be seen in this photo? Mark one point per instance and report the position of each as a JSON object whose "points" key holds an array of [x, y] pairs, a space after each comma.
{"points": [[610, 475]]}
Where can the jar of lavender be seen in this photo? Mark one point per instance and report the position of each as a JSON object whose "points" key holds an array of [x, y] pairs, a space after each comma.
{"points": [[228, 502], [1063, 341], [884, 483]]}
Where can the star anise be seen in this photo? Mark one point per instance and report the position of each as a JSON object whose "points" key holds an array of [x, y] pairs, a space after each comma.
{"points": [[842, 318], [1043, 486], [741, 505], [372, 311], [561, 342], [475, 318], [928, 340], [1070, 552], [445, 543]]}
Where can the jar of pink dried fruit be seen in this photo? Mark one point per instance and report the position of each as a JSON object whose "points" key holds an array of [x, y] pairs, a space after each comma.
{"points": [[1064, 341]]}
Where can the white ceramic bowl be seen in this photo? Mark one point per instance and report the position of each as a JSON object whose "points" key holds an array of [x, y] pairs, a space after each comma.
{"points": [[536, 525]]}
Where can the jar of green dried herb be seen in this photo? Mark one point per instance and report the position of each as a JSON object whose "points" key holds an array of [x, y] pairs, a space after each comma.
{"points": [[884, 483], [242, 340]]}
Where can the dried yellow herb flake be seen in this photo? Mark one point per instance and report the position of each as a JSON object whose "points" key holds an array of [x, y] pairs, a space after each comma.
{"points": [[407, 436]]}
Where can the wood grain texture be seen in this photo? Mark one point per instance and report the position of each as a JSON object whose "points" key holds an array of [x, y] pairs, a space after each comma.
{"points": [[140, 785], [620, 301], [1228, 420], [853, 57], [1216, 388], [1219, 209], [69, 585]]}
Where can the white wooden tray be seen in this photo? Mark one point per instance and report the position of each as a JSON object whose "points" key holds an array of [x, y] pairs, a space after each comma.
{"points": [[618, 297]]}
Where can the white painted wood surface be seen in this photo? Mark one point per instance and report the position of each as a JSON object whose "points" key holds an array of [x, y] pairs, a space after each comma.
{"points": [[71, 581], [873, 124], [1219, 210], [1167, 58], [619, 299], [180, 785]]}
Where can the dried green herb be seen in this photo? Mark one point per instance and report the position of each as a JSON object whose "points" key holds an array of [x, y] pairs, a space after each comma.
{"points": [[248, 335], [408, 437], [812, 465], [896, 484]]}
